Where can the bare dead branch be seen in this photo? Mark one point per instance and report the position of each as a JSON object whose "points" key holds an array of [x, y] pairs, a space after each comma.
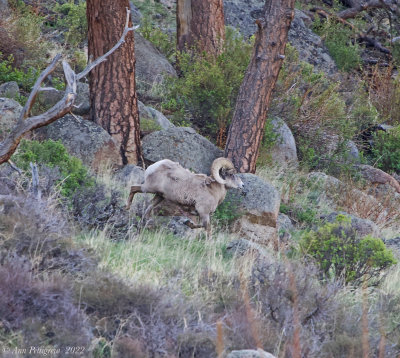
{"points": [[14, 167], [29, 103], [35, 181], [362, 6], [61, 108], [361, 35]]}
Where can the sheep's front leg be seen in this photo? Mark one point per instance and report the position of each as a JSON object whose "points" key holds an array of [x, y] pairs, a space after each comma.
{"points": [[205, 223], [205, 220], [134, 189]]}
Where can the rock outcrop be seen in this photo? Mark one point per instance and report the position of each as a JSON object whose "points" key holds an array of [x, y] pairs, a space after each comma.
{"points": [[49, 98], [259, 353], [150, 118], [284, 150], [151, 66], [9, 90], [85, 140], [378, 177], [258, 203], [182, 145], [362, 227], [10, 111]]}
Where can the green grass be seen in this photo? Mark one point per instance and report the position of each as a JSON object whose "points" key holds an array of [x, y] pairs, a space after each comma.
{"points": [[157, 257]]}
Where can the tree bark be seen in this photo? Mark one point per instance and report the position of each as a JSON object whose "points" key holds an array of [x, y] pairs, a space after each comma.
{"points": [[113, 98], [247, 127], [200, 25]]}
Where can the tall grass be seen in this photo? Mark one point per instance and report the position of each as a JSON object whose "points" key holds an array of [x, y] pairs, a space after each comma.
{"points": [[157, 257]]}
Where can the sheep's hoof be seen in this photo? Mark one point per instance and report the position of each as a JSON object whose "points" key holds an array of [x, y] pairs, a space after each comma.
{"points": [[190, 223]]}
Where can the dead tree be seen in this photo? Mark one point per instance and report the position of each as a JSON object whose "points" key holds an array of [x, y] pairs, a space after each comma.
{"points": [[26, 123], [113, 100], [200, 25], [247, 127]]}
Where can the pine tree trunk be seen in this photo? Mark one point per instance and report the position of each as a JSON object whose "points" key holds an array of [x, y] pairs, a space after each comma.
{"points": [[113, 98], [200, 24], [247, 127]]}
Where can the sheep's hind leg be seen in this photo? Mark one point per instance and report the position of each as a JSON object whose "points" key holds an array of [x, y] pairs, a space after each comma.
{"points": [[154, 203], [134, 189]]}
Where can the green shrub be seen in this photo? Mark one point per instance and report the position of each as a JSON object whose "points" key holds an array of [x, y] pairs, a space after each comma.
{"points": [[338, 41], [25, 29], [307, 216], [26, 80], [159, 39], [208, 87], [270, 137], [386, 150], [227, 212], [72, 18], [53, 154], [339, 252]]}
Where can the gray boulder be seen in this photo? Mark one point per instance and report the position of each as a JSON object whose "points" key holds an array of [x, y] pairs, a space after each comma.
{"points": [[10, 111], [9, 90], [394, 245], [135, 14], [47, 99], [151, 119], [285, 227], [4, 8], [284, 149], [309, 45], [130, 175], [82, 100], [241, 247], [182, 145], [363, 227], [242, 14], [85, 140], [259, 353], [151, 66], [258, 202], [378, 178]]}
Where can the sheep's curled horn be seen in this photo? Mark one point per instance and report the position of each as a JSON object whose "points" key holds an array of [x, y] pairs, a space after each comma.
{"points": [[217, 165]]}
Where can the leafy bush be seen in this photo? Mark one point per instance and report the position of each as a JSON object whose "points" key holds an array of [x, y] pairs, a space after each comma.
{"points": [[73, 20], [315, 111], [8, 73], [159, 39], [208, 86], [227, 212], [386, 150], [270, 137], [338, 251], [338, 41], [24, 28], [53, 154]]}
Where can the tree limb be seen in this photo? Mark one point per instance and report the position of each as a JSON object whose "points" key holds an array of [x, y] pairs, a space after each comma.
{"points": [[61, 108], [361, 35], [362, 6], [32, 97]]}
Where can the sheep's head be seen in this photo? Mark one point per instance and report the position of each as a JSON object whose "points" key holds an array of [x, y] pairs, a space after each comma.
{"points": [[223, 171]]}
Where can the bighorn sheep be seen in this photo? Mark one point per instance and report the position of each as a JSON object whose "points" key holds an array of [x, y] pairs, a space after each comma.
{"points": [[169, 180]]}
